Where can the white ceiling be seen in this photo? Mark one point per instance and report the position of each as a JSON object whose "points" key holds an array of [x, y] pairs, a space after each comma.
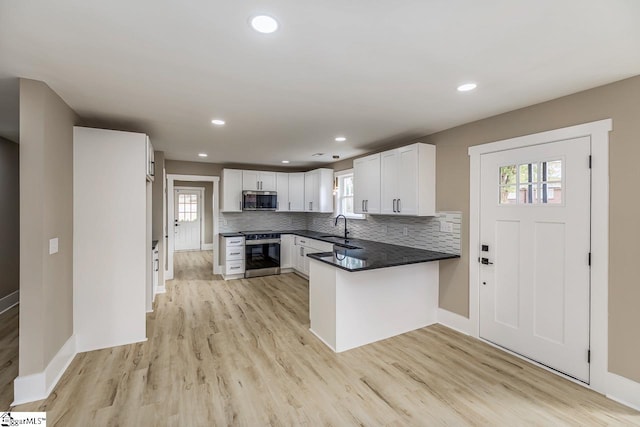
{"points": [[374, 71]]}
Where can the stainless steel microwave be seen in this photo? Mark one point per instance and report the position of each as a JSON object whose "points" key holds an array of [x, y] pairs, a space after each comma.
{"points": [[259, 201]]}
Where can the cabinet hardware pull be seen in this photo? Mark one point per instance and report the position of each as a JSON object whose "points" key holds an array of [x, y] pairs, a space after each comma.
{"points": [[394, 205], [289, 205], [366, 205], [398, 205]]}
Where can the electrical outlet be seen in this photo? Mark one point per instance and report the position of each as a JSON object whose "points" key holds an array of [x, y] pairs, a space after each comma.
{"points": [[446, 227], [405, 231]]}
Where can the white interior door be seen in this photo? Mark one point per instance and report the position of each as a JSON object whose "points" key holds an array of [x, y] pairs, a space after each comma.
{"points": [[535, 278], [188, 219]]}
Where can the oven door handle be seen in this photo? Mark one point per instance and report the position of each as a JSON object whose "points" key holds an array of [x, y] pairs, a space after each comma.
{"points": [[261, 242]]}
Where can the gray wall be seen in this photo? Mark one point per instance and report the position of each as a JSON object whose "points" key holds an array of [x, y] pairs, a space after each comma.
{"points": [[46, 211], [208, 205], [619, 101], [9, 218]]}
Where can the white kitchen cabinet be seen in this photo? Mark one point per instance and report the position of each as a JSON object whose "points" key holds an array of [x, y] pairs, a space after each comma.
{"points": [[231, 190], [296, 192], [286, 251], [258, 181], [318, 191], [112, 260], [232, 257], [282, 189], [150, 160], [366, 184], [304, 246], [407, 180]]}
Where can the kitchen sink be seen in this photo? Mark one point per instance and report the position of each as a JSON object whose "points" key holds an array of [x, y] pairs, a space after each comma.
{"points": [[339, 241]]}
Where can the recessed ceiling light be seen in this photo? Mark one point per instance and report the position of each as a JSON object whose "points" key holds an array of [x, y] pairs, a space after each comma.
{"points": [[218, 122], [467, 87], [264, 24], [340, 138], [285, 161], [202, 154]]}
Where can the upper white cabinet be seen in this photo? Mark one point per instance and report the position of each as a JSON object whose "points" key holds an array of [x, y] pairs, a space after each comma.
{"points": [[407, 177], [258, 181], [282, 188], [296, 192], [318, 190], [150, 160], [366, 184], [231, 190]]}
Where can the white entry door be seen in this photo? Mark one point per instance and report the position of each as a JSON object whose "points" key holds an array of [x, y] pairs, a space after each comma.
{"points": [[535, 236], [188, 219]]}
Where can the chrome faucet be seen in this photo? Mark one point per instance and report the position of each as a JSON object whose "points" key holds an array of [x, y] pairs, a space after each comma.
{"points": [[346, 233]]}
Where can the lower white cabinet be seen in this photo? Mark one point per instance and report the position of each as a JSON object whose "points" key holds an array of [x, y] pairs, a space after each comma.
{"points": [[232, 257], [304, 246]]}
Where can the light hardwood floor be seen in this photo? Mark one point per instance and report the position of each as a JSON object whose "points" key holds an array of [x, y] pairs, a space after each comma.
{"points": [[240, 353], [8, 355]]}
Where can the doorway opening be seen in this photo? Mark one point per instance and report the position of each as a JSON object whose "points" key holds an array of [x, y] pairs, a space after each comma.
{"points": [[199, 217]]}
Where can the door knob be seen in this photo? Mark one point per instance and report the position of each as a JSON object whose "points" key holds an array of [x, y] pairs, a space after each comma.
{"points": [[486, 261]]}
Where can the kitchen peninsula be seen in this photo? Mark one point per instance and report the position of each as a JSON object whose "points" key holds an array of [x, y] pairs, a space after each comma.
{"points": [[371, 291]]}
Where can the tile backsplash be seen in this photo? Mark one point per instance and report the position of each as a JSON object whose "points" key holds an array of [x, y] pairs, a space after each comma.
{"points": [[246, 221], [415, 232]]}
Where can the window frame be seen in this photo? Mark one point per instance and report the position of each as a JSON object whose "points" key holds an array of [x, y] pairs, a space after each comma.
{"points": [[338, 179]]}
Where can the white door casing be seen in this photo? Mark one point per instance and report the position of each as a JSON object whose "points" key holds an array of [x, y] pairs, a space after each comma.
{"points": [[534, 296], [598, 132], [188, 218]]}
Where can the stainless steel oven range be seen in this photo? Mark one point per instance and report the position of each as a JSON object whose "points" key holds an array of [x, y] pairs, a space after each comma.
{"points": [[262, 253]]}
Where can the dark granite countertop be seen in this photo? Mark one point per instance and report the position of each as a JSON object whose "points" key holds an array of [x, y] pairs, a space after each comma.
{"points": [[237, 234], [363, 254], [360, 254]]}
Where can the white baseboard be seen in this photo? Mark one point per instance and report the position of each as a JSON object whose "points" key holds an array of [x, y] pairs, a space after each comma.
{"points": [[29, 388], [9, 301], [207, 246], [454, 321], [623, 390], [322, 339]]}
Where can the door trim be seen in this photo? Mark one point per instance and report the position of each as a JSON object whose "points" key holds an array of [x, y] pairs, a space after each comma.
{"points": [[201, 210], [598, 132], [171, 214]]}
